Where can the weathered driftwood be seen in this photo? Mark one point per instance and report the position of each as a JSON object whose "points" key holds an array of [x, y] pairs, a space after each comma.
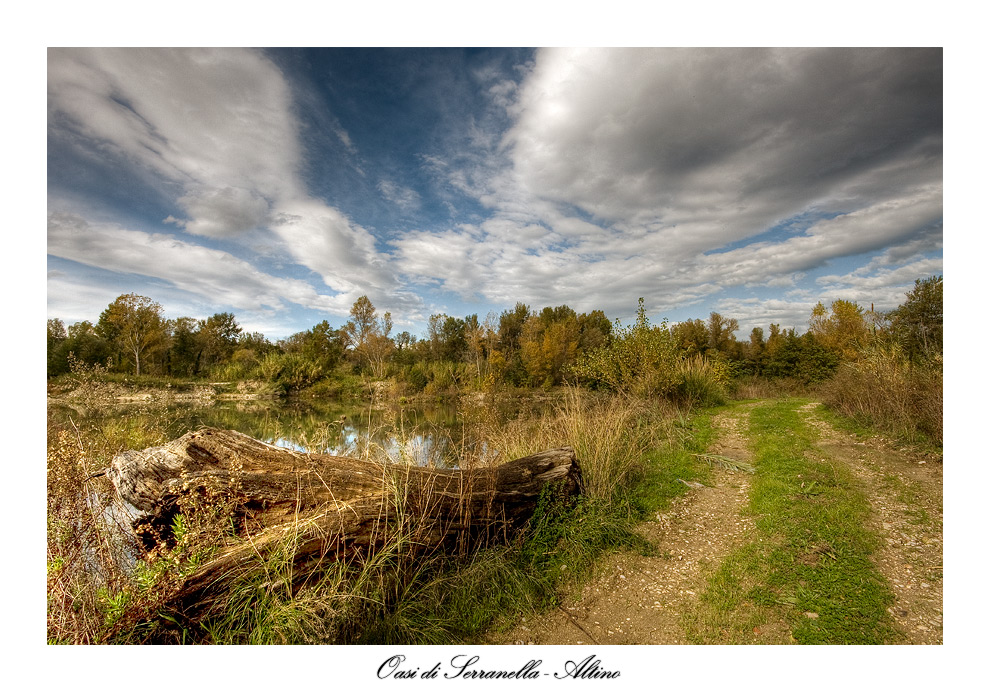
{"points": [[325, 507]]}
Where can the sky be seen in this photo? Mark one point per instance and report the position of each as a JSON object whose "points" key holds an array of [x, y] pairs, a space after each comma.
{"points": [[281, 185]]}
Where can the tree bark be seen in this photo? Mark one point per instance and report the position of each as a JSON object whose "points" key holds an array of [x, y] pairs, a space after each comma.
{"points": [[321, 507]]}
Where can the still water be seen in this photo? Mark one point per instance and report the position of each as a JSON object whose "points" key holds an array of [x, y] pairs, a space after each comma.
{"points": [[435, 434]]}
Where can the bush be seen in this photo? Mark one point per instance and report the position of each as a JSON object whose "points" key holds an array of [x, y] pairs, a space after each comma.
{"points": [[641, 360], [885, 391], [702, 381], [290, 371]]}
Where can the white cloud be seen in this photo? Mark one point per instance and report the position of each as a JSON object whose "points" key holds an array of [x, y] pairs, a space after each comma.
{"points": [[227, 211], [215, 275], [217, 126], [623, 173], [627, 170], [402, 197]]}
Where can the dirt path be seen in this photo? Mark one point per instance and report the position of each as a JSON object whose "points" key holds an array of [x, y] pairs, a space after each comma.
{"points": [[905, 491], [641, 600], [634, 599]]}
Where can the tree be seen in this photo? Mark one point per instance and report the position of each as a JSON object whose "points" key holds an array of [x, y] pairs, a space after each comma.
{"points": [[368, 335], [184, 351], [802, 357], [57, 363], [549, 345], [755, 353], [362, 322], [721, 331], [841, 328], [596, 330], [218, 338], [322, 345], [134, 325], [510, 325], [917, 323], [691, 336], [474, 336]]}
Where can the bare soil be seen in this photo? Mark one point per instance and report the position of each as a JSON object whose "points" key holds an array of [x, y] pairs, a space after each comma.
{"points": [[636, 599]]}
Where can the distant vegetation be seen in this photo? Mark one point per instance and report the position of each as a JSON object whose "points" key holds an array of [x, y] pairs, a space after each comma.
{"points": [[879, 367]]}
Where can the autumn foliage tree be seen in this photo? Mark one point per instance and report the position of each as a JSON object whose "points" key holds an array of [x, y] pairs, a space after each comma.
{"points": [[134, 325], [841, 327]]}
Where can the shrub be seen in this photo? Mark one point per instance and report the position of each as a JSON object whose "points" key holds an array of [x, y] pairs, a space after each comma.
{"points": [[291, 371], [640, 361], [702, 381], [884, 390]]}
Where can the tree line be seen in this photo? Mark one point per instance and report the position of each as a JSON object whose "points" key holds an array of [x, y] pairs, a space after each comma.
{"points": [[520, 347]]}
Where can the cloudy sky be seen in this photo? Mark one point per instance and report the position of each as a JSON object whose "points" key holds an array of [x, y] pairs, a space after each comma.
{"points": [[281, 185]]}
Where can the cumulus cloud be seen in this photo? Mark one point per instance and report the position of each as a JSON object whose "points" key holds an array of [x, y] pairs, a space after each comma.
{"points": [[224, 278], [628, 172], [217, 127]]}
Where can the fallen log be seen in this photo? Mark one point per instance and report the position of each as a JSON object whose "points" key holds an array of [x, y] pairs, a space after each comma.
{"points": [[325, 507]]}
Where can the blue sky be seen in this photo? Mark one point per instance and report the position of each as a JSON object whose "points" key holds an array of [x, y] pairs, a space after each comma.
{"points": [[281, 185]]}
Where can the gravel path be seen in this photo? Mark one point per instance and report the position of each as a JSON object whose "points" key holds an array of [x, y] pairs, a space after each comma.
{"points": [[641, 600], [634, 599], [905, 492]]}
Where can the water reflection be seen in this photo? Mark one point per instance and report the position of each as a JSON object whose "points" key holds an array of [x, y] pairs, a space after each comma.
{"points": [[423, 434]]}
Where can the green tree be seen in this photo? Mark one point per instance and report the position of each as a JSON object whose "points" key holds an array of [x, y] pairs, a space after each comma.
{"points": [[917, 323], [134, 325], [57, 364], [184, 350], [595, 329], [802, 357], [217, 338], [756, 351], [510, 326]]}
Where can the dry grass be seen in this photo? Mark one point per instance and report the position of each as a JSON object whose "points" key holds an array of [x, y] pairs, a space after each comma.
{"points": [[755, 387], [610, 435], [885, 391], [406, 591]]}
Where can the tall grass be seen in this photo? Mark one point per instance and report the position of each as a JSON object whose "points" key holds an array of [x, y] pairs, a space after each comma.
{"points": [[90, 548], [702, 381], [885, 391], [610, 435], [407, 590]]}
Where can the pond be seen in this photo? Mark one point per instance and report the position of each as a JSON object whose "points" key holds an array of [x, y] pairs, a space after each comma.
{"points": [[424, 434]]}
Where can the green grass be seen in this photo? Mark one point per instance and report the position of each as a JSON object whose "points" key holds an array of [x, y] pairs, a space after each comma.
{"points": [[655, 484], [812, 554]]}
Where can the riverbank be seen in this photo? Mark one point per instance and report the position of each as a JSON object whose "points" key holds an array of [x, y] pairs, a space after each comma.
{"points": [[393, 596]]}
